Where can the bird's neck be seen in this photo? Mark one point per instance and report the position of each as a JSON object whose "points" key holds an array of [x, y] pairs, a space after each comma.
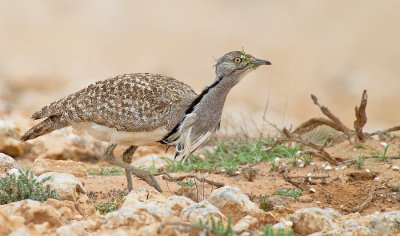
{"points": [[207, 108]]}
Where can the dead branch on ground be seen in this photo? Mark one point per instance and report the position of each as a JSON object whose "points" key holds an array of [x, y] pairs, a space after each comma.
{"points": [[320, 151], [366, 203], [170, 178], [361, 117]]}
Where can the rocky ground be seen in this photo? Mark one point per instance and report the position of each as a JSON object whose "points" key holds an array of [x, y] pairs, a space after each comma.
{"points": [[361, 197]]}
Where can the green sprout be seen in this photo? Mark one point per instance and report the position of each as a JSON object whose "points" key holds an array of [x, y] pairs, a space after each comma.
{"points": [[246, 58]]}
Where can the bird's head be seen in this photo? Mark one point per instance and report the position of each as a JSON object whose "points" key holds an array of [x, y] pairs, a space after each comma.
{"points": [[237, 64]]}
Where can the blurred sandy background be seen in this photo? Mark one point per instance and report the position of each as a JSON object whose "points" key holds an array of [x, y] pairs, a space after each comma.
{"points": [[333, 49]]}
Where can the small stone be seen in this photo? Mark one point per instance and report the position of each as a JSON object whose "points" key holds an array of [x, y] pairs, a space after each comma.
{"points": [[318, 202], [313, 190], [311, 220], [75, 168], [202, 210], [367, 170], [8, 163], [395, 168], [328, 167], [67, 186], [231, 201], [246, 223]]}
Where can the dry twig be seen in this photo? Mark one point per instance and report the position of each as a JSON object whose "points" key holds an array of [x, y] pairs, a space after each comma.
{"points": [[331, 116], [168, 177], [361, 117], [365, 204]]}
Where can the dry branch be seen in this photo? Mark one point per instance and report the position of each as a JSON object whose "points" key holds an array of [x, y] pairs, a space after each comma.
{"points": [[289, 180], [170, 178], [314, 123], [330, 115], [393, 129], [320, 149], [361, 117], [365, 204]]}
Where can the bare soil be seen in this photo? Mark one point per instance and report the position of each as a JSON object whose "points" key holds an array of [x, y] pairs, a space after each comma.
{"points": [[343, 188]]}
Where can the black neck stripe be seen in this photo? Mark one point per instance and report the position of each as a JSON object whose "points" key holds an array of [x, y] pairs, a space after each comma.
{"points": [[193, 105]]}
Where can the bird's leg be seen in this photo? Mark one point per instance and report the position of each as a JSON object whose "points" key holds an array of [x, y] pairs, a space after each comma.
{"points": [[142, 174], [127, 158]]}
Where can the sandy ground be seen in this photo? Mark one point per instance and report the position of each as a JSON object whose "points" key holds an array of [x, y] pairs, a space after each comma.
{"points": [[341, 188]]}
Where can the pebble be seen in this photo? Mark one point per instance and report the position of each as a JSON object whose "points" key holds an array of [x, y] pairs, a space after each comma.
{"points": [[395, 168], [328, 167], [343, 167], [367, 170]]}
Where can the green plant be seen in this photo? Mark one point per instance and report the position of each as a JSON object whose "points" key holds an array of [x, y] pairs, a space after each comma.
{"points": [[106, 171], [265, 204], [289, 192], [24, 186], [269, 231], [360, 161], [188, 183], [111, 206], [217, 228], [229, 154], [381, 155]]}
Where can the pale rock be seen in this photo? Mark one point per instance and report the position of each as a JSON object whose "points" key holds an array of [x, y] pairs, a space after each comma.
{"points": [[8, 163], [75, 168], [11, 146], [395, 168], [202, 210], [357, 231], [387, 222], [34, 212], [20, 232], [152, 161], [77, 228], [70, 210], [285, 225], [67, 186], [126, 217], [311, 220], [149, 229], [177, 203], [142, 195], [246, 223], [14, 171], [232, 202], [9, 223]]}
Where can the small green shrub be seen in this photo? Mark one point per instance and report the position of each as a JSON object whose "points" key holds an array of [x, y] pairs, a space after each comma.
{"points": [[111, 206], [269, 231], [229, 154], [14, 188], [217, 228], [289, 192]]}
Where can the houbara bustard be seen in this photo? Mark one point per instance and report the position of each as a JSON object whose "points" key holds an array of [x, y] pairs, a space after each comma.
{"points": [[143, 109]]}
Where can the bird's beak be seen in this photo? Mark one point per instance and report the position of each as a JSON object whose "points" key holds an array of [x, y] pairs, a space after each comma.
{"points": [[259, 62]]}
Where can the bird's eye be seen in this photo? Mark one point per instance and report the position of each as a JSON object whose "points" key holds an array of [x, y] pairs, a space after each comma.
{"points": [[237, 60]]}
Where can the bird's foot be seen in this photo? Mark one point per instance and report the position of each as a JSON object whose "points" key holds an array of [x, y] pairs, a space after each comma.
{"points": [[142, 174], [127, 158]]}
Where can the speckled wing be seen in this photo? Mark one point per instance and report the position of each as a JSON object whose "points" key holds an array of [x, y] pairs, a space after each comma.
{"points": [[129, 102]]}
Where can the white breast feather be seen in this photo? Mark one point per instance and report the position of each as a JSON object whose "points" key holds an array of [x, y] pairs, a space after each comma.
{"points": [[108, 134]]}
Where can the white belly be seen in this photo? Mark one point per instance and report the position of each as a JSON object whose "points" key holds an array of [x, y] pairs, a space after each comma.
{"points": [[112, 135]]}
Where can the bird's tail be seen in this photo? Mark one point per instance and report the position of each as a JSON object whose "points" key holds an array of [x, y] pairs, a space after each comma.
{"points": [[48, 125]]}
